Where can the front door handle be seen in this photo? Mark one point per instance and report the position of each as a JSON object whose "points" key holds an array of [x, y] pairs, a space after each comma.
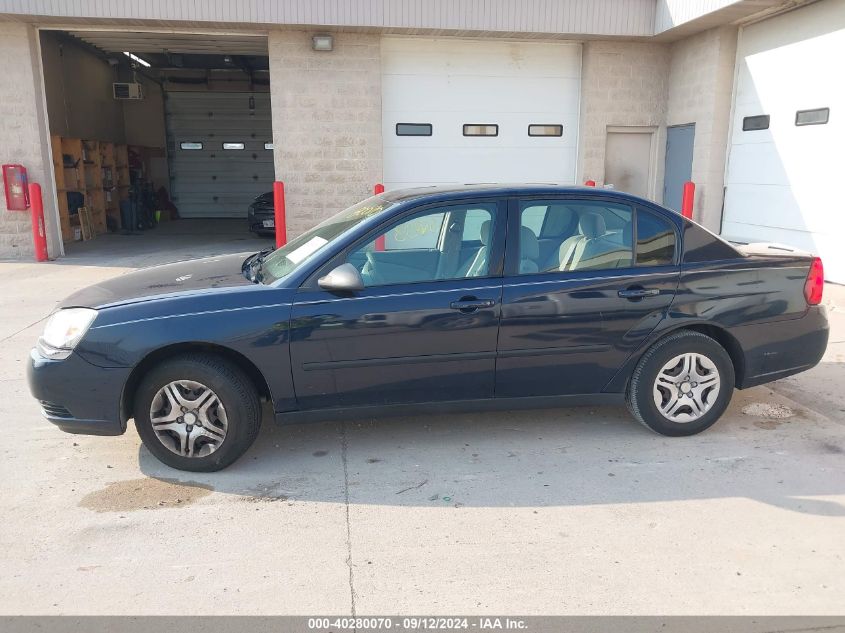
{"points": [[638, 293], [471, 304]]}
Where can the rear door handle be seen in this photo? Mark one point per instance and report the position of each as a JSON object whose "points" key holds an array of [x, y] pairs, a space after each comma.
{"points": [[638, 293], [471, 305]]}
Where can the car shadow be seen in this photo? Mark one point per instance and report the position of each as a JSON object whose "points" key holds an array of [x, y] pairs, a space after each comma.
{"points": [[556, 457]]}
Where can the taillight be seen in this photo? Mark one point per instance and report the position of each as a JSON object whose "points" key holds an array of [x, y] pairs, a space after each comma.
{"points": [[814, 286]]}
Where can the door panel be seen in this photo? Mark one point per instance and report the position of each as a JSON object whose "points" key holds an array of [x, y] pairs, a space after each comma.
{"points": [[394, 344], [425, 326], [568, 329], [568, 333], [628, 160]]}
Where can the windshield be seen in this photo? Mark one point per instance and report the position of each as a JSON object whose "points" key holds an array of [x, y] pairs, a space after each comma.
{"points": [[283, 261]]}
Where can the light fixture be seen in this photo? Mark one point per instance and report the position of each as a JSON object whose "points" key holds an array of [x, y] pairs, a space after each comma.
{"points": [[322, 42], [135, 58]]}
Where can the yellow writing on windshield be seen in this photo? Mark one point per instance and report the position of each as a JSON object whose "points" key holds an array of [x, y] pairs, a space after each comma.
{"points": [[365, 212]]}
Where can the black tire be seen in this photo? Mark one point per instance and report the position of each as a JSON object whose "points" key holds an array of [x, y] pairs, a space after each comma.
{"points": [[640, 397], [235, 391]]}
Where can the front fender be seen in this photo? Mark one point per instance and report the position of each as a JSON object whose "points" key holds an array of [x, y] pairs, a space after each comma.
{"points": [[253, 325]]}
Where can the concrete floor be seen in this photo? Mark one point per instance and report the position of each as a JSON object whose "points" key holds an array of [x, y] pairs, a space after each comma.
{"points": [[577, 511]]}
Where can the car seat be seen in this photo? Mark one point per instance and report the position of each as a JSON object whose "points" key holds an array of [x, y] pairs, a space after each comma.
{"points": [[592, 249]]}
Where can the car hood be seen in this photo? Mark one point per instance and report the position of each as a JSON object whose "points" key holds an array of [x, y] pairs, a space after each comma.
{"points": [[148, 283]]}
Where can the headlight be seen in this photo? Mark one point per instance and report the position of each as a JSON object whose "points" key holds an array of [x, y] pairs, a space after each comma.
{"points": [[64, 330]]}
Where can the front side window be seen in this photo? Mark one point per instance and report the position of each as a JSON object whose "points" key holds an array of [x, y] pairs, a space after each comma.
{"points": [[574, 235], [285, 260], [655, 240], [433, 245]]}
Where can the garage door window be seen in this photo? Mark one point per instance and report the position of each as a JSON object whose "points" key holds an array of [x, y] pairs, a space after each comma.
{"points": [[414, 129], [819, 116], [545, 129], [190, 145], [233, 145], [758, 122], [481, 129]]}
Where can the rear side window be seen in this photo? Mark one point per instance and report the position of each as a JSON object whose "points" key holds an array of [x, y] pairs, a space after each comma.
{"points": [[574, 235], [655, 240]]}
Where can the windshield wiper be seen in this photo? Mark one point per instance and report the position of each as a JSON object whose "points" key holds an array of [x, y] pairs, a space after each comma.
{"points": [[251, 268]]}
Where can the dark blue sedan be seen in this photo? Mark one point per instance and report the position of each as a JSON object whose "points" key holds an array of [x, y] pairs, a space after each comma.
{"points": [[434, 299]]}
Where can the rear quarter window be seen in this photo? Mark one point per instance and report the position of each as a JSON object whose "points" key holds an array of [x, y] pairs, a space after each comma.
{"points": [[701, 245], [655, 240]]}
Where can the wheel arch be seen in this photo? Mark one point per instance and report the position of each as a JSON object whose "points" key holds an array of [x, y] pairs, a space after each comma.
{"points": [[127, 398], [728, 343], [721, 335]]}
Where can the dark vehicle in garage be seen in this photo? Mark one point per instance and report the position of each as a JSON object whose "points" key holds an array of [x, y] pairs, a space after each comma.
{"points": [[434, 299], [261, 215]]}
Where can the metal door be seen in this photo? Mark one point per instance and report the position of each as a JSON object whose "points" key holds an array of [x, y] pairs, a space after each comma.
{"points": [[679, 144], [220, 151], [628, 160]]}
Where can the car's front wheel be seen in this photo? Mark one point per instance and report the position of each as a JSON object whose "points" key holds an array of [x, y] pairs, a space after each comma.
{"points": [[197, 412], [682, 384]]}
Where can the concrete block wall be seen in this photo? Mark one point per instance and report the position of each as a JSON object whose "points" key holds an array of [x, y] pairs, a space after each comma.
{"points": [[23, 138], [326, 122], [622, 84], [701, 75]]}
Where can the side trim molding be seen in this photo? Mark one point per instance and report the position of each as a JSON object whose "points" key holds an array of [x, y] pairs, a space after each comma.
{"points": [[396, 360], [454, 406]]}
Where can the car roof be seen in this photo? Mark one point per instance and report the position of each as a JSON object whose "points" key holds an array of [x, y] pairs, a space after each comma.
{"points": [[439, 193]]}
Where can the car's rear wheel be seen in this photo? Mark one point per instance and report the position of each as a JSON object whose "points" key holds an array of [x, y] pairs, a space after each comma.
{"points": [[682, 384], [197, 412]]}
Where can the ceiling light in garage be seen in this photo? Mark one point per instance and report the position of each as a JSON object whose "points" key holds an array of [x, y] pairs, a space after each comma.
{"points": [[135, 58], [322, 42]]}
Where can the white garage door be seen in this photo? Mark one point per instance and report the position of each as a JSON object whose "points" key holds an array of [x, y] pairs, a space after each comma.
{"points": [[219, 151], [433, 88], [779, 177]]}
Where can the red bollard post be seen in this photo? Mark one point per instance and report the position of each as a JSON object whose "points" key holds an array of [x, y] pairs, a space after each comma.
{"points": [[39, 233], [590, 183], [687, 200], [380, 244], [279, 213]]}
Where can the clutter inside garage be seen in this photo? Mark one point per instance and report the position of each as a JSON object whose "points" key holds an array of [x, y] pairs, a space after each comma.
{"points": [[149, 129]]}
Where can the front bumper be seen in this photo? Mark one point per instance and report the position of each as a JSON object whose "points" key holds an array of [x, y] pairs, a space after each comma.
{"points": [[77, 396]]}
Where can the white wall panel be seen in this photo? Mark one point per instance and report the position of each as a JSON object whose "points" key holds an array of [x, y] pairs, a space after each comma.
{"points": [[778, 179], [599, 17]]}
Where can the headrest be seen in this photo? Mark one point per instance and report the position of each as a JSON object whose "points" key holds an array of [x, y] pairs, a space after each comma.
{"points": [[485, 233], [628, 234], [592, 225], [529, 247]]}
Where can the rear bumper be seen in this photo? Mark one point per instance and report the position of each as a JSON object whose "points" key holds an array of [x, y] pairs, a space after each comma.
{"points": [[77, 396], [256, 217], [780, 349]]}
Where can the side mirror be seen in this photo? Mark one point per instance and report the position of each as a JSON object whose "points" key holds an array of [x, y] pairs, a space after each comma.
{"points": [[344, 278]]}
